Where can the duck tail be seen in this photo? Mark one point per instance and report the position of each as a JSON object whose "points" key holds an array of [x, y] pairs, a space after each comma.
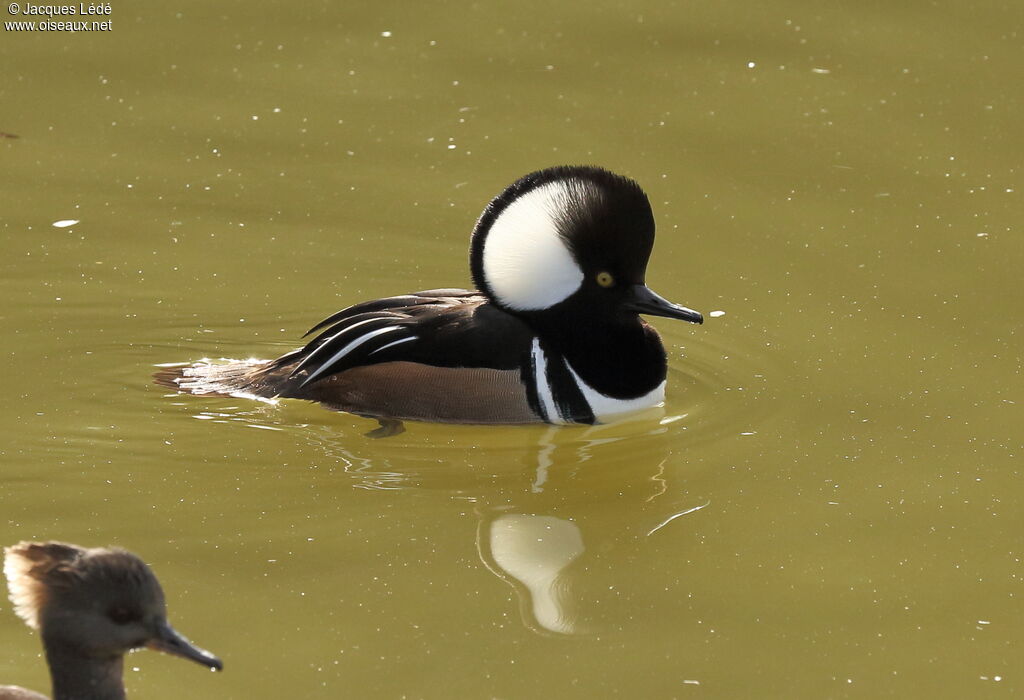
{"points": [[235, 378]]}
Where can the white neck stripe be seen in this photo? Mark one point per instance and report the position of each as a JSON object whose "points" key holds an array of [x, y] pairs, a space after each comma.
{"points": [[606, 407], [540, 377]]}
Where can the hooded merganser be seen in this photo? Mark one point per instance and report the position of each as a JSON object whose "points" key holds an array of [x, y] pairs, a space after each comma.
{"points": [[91, 606], [554, 334]]}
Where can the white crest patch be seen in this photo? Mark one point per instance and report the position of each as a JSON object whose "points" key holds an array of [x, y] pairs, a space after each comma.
{"points": [[26, 592], [525, 261], [606, 408]]}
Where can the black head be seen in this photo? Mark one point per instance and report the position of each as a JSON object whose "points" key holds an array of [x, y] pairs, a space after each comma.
{"points": [[571, 236]]}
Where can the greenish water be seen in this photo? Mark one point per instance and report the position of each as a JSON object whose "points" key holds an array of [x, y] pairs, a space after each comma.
{"points": [[830, 504]]}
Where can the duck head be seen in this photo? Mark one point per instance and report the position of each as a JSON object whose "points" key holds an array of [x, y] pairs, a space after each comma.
{"points": [[93, 603], [570, 238]]}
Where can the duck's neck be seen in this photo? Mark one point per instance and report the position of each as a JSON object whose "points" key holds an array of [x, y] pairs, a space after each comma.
{"points": [[622, 360], [76, 677]]}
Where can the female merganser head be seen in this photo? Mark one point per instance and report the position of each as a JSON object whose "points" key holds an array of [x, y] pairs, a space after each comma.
{"points": [[91, 607]]}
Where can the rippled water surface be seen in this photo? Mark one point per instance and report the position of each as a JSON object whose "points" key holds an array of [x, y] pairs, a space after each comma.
{"points": [[830, 502]]}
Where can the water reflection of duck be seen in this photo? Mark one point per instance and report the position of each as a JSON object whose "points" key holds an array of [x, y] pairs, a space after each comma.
{"points": [[571, 519], [562, 542], [554, 334], [91, 606], [531, 553]]}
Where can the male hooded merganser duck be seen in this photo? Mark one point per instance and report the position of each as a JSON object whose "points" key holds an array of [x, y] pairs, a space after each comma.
{"points": [[553, 335], [91, 607]]}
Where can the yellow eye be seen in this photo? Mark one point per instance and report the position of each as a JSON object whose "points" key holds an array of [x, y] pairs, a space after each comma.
{"points": [[605, 279]]}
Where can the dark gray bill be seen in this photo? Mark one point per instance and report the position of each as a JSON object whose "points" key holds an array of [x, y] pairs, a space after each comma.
{"points": [[170, 642], [644, 301]]}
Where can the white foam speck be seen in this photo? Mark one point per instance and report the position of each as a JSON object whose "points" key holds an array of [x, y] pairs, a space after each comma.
{"points": [[64, 223], [716, 314]]}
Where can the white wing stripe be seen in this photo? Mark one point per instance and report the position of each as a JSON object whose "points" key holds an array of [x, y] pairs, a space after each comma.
{"points": [[394, 342], [346, 350], [324, 344]]}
